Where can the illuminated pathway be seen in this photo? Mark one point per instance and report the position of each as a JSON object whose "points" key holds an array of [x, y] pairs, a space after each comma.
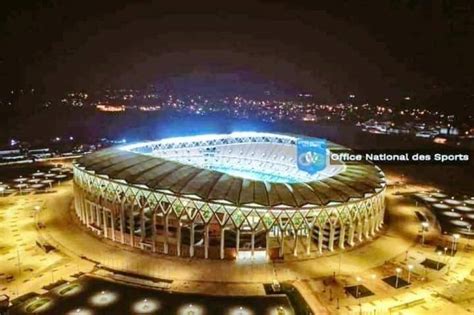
{"points": [[24, 265], [313, 278], [61, 229]]}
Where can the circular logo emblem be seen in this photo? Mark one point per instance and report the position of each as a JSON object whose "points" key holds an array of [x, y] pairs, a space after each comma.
{"points": [[308, 158]]}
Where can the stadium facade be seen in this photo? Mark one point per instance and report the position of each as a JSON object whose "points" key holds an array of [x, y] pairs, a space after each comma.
{"points": [[220, 196]]}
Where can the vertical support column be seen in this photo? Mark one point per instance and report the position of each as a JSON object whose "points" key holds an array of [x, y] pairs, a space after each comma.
{"points": [[378, 221], [112, 223], [206, 241], [382, 213], [122, 222], [98, 216], [178, 245], [132, 226], [332, 232], [282, 243], [191, 243], [359, 231], [372, 224], [267, 243], [153, 231], [342, 235], [78, 203], [308, 241], [295, 243], [165, 245], [77, 209], [83, 208], [85, 219], [253, 243], [86, 212], [366, 228], [92, 212], [369, 227], [237, 242], [86, 207], [142, 227], [351, 234], [320, 239], [221, 254], [104, 222]]}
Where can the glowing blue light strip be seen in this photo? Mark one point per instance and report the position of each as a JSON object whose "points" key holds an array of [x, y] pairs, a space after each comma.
{"points": [[208, 137], [277, 171]]}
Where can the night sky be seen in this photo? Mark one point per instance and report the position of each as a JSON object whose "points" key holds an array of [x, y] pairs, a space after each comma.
{"points": [[374, 49]]}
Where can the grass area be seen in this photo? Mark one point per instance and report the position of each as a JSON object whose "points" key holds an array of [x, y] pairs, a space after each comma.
{"points": [[37, 304], [68, 288], [23, 298]]}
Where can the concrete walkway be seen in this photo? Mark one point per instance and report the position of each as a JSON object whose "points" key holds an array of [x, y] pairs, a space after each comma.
{"points": [[63, 230], [396, 247]]}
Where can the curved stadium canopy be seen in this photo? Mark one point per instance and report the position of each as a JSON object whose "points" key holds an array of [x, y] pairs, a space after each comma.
{"points": [[352, 182]]}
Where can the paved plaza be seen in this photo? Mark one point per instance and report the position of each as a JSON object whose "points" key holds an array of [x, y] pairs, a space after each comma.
{"points": [[95, 295], [29, 222]]}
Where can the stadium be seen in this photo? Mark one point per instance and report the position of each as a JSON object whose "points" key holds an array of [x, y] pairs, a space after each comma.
{"points": [[227, 196]]}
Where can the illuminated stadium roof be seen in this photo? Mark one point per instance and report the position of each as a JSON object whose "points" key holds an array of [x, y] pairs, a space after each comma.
{"points": [[255, 169]]}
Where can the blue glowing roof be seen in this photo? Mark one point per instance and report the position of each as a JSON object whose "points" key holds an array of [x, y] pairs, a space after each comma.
{"points": [[240, 169]]}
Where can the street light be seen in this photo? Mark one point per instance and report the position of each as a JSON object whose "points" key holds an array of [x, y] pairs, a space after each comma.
{"points": [[398, 270], [456, 237], [358, 279], [469, 234], [424, 227], [37, 210], [410, 268], [439, 257]]}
